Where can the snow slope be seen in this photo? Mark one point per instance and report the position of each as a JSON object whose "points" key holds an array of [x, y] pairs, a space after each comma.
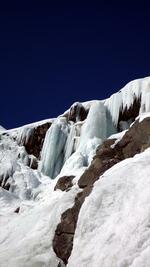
{"points": [[113, 228], [114, 222], [26, 237]]}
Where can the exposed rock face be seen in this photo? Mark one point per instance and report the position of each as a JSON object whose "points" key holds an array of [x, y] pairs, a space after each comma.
{"points": [[63, 240], [77, 113], [4, 182], [131, 113], [64, 183], [17, 210], [35, 142], [103, 160], [33, 163], [135, 140]]}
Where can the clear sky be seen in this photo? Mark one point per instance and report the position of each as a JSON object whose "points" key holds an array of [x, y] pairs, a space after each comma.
{"points": [[53, 53]]}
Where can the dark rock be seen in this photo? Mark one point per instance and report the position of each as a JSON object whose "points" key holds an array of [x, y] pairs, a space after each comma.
{"points": [[64, 234], [34, 163], [17, 210], [135, 140], [35, 142], [4, 182], [61, 264], [6, 186], [103, 160], [77, 113], [131, 113], [64, 183]]}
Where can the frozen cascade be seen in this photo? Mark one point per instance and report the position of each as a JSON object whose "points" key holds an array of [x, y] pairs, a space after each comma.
{"points": [[65, 149], [69, 146], [95, 126], [53, 148], [93, 132]]}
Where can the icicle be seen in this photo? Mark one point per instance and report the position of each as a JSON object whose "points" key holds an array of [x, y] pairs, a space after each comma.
{"points": [[125, 98], [23, 135], [69, 147], [51, 161], [95, 125]]}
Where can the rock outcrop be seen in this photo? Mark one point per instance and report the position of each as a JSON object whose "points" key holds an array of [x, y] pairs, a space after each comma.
{"points": [[35, 142], [4, 182], [129, 114], [64, 183], [77, 112], [135, 140]]}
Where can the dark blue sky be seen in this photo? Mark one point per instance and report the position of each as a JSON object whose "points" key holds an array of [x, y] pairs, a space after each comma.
{"points": [[53, 53]]}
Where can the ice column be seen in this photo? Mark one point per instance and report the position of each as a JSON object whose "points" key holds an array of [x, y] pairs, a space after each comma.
{"points": [[53, 149]]}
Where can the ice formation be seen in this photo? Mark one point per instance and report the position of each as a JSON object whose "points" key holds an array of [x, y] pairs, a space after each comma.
{"points": [[113, 225], [23, 133], [136, 89], [14, 170], [101, 122], [53, 149], [60, 142]]}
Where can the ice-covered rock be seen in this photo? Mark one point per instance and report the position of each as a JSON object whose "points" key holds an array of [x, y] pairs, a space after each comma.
{"points": [[77, 112], [90, 201], [124, 99]]}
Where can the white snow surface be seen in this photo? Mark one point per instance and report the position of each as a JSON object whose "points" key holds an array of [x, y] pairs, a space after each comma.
{"points": [[14, 164], [143, 116], [26, 237], [113, 228], [23, 133]]}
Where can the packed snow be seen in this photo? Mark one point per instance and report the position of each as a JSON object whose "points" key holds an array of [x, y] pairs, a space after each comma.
{"points": [[26, 237], [113, 228]]}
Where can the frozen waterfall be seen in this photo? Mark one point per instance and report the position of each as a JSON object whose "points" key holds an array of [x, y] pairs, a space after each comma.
{"points": [[70, 145], [53, 148], [93, 132]]}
